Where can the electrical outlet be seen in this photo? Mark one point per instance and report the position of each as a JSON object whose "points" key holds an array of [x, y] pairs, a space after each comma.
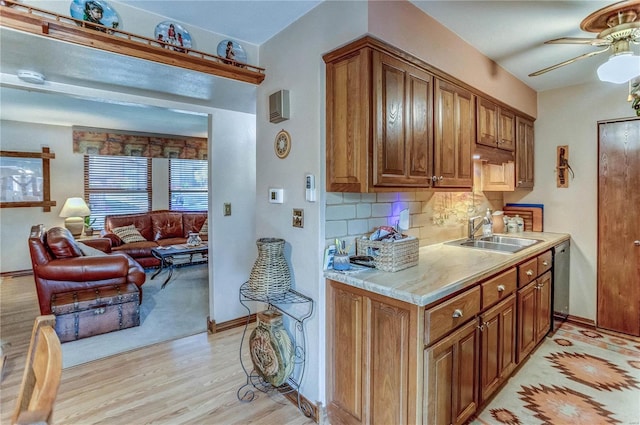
{"points": [[298, 217], [227, 208]]}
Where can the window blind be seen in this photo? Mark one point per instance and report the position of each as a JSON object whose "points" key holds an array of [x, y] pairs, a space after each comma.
{"points": [[188, 185]]}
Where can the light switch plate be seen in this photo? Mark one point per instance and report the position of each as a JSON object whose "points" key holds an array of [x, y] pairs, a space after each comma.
{"points": [[227, 208], [298, 217], [276, 196]]}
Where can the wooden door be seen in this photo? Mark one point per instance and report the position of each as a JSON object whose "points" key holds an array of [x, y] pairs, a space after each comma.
{"points": [[487, 123], [403, 142], [524, 153], [348, 124], [527, 314], [454, 135], [450, 393], [507, 130], [619, 226], [543, 307], [497, 346]]}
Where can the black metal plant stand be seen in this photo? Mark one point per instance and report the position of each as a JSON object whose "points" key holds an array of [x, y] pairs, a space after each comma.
{"points": [[278, 302]]}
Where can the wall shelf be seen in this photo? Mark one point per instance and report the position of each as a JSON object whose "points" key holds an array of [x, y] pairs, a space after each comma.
{"points": [[296, 307], [48, 24]]}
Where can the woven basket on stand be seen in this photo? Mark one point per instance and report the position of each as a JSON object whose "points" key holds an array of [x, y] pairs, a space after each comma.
{"points": [[270, 274]]}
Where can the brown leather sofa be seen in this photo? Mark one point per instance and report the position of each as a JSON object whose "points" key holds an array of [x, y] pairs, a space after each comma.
{"points": [[60, 265], [159, 228]]}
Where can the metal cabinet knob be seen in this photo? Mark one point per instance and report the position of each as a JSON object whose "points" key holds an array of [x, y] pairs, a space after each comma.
{"points": [[636, 243], [500, 288], [457, 313], [529, 273]]}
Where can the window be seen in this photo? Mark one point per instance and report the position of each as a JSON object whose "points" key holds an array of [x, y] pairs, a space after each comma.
{"points": [[188, 185], [116, 185]]}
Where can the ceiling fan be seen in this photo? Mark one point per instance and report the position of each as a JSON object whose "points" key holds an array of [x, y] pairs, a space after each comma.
{"points": [[618, 26]]}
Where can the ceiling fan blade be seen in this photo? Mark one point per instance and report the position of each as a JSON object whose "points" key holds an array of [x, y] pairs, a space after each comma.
{"points": [[576, 40], [567, 62]]}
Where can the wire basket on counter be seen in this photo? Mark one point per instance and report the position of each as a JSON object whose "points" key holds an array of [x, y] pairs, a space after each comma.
{"points": [[391, 255]]}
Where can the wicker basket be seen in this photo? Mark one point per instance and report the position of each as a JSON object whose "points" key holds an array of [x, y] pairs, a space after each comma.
{"points": [[391, 256], [270, 274]]}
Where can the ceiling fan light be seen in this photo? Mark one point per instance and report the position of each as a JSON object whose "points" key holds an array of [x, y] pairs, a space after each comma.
{"points": [[620, 68]]}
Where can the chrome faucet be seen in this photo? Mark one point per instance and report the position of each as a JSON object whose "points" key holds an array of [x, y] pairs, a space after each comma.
{"points": [[473, 228]]}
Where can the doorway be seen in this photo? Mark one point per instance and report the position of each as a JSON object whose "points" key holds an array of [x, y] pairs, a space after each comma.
{"points": [[619, 226]]}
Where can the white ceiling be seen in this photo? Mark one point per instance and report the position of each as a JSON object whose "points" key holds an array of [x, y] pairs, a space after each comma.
{"points": [[511, 33]]}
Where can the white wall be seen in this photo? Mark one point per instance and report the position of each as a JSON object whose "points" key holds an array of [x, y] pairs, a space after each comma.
{"points": [[570, 117], [232, 179], [293, 60]]}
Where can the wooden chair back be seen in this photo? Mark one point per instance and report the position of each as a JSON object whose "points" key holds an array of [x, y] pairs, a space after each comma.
{"points": [[41, 377]]}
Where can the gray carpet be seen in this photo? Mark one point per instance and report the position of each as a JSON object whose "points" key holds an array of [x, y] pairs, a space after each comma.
{"points": [[178, 310]]}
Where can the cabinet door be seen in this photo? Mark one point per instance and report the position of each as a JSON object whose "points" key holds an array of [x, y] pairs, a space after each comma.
{"points": [[402, 142], [454, 134], [450, 393], [524, 153], [487, 123], [543, 317], [346, 383], [527, 317], [348, 124], [507, 130], [497, 346]]}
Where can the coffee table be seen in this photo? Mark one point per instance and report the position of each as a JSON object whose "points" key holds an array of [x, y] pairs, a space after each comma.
{"points": [[174, 256]]}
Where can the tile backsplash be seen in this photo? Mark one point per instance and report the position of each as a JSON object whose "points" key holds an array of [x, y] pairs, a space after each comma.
{"points": [[434, 216]]}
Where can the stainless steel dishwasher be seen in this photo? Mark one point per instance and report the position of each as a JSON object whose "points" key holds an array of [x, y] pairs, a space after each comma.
{"points": [[560, 310]]}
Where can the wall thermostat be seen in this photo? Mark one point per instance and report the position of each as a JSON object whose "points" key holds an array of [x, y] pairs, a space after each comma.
{"points": [[276, 196], [310, 188]]}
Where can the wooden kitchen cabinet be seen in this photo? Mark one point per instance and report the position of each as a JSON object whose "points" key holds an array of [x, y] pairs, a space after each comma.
{"points": [[524, 153], [497, 346], [372, 354], [403, 122], [534, 314], [451, 377], [454, 135], [496, 125]]}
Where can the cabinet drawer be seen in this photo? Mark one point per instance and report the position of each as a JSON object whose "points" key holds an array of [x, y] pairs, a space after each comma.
{"points": [[527, 272], [442, 319], [544, 262], [499, 287]]}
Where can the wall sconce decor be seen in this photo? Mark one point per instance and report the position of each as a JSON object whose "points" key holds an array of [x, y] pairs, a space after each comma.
{"points": [[562, 166]]}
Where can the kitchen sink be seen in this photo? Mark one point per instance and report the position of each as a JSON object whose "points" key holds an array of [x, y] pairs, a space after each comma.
{"points": [[506, 244]]}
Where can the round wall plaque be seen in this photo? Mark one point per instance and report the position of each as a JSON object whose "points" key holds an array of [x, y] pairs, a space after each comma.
{"points": [[282, 144]]}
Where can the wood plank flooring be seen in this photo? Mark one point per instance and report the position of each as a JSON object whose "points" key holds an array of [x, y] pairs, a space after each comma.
{"points": [[192, 380]]}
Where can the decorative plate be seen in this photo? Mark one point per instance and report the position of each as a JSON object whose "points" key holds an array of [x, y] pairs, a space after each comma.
{"points": [[231, 50], [282, 144], [173, 35], [95, 11]]}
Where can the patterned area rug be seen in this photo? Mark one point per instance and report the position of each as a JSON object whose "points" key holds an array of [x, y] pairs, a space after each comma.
{"points": [[577, 376]]}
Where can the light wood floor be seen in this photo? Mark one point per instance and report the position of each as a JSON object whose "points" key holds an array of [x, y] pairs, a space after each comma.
{"points": [[192, 380]]}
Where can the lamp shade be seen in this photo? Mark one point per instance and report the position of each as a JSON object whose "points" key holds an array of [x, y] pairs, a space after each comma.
{"points": [[620, 68], [75, 207]]}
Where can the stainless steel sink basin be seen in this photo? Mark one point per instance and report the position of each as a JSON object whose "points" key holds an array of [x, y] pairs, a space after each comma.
{"points": [[506, 244]]}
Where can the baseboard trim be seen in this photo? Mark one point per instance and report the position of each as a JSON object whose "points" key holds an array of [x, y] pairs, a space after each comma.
{"points": [[581, 321], [214, 327], [307, 408], [18, 273]]}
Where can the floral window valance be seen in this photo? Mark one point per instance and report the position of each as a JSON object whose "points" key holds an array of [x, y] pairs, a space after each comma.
{"points": [[96, 141]]}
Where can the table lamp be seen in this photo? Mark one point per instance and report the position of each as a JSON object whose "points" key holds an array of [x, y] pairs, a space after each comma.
{"points": [[74, 211]]}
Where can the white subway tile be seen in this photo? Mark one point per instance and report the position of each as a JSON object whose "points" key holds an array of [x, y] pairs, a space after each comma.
{"points": [[341, 212], [351, 198], [358, 227], [334, 198], [381, 210], [363, 210], [335, 229], [368, 197], [387, 197]]}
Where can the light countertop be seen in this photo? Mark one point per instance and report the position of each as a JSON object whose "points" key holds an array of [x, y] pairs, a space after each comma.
{"points": [[443, 270]]}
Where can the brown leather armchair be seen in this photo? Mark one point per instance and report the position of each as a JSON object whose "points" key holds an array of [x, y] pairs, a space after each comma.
{"points": [[60, 265]]}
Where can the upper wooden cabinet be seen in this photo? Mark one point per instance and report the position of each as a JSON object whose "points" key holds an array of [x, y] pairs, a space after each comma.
{"points": [[454, 131], [403, 141], [496, 126], [524, 153]]}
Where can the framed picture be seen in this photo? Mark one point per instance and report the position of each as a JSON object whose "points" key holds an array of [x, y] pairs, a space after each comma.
{"points": [[173, 36], [94, 12], [24, 179], [232, 52]]}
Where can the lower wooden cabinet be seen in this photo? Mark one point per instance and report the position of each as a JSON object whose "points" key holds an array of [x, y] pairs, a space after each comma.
{"points": [[534, 314], [451, 377], [497, 346], [372, 341]]}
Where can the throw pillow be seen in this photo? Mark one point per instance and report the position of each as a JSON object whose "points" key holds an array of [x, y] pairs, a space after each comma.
{"points": [[128, 234], [204, 230]]}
